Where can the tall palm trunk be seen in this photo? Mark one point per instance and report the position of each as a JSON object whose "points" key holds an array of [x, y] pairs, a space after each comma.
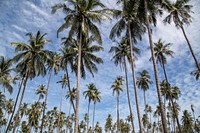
{"points": [[128, 95], [68, 84], [170, 97], [93, 116], [45, 101], [88, 115], [60, 110], [78, 84], [20, 104], [134, 81], [163, 115], [145, 103], [190, 47], [118, 128], [15, 105]]}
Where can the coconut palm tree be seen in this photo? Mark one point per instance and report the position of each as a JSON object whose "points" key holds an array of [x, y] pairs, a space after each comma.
{"points": [[41, 91], [5, 74], [80, 18], [31, 59], [187, 122], [143, 82], [121, 54], [53, 64], [96, 98], [134, 30], [108, 124], [72, 96], [179, 13], [147, 12], [89, 94], [117, 87]]}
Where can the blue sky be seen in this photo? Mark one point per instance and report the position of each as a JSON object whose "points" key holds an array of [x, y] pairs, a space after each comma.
{"points": [[22, 16]]}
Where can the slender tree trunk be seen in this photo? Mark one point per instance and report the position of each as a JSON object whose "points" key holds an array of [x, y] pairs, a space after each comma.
{"points": [[117, 113], [15, 105], [128, 95], [163, 115], [93, 117], [170, 97], [68, 84], [88, 115], [78, 85], [134, 81], [60, 110], [190, 47], [20, 104], [45, 101], [145, 103]]}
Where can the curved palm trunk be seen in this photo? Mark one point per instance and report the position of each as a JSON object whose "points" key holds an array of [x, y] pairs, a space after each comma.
{"points": [[88, 115], [170, 97], [93, 116], [21, 99], [60, 110], [163, 115], [78, 85], [190, 47], [134, 81], [45, 102], [68, 84], [118, 128], [128, 95], [15, 105]]}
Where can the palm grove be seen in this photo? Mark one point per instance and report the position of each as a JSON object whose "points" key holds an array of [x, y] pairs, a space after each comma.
{"points": [[78, 56]]}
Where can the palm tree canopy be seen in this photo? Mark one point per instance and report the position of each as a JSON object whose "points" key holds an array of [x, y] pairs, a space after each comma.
{"points": [[161, 51], [41, 91], [179, 13], [96, 96], [81, 16], [90, 93], [117, 85], [121, 51], [144, 80], [31, 57], [71, 94]]}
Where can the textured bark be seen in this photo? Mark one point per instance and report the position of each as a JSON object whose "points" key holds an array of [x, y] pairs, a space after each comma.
{"points": [[163, 115], [15, 105], [134, 80], [45, 102], [128, 95], [93, 117], [190, 47], [20, 104], [78, 85]]}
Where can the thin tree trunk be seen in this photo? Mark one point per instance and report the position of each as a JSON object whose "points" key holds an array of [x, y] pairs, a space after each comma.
{"points": [[22, 96], [170, 97], [88, 115], [190, 47], [117, 113], [60, 110], [68, 84], [93, 117], [15, 105], [128, 95], [163, 115], [45, 101], [134, 81], [78, 84], [145, 103]]}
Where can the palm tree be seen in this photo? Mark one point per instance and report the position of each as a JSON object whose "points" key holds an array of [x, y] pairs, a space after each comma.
{"points": [[96, 98], [179, 13], [133, 30], [31, 60], [108, 124], [146, 12], [143, 82], [64, 84], [121, 54], [53, 65], [5, 74], [41, 91], [72, 96], [80, 18], [187, 122], [89, 94], [117, 87], [145, 121]]}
